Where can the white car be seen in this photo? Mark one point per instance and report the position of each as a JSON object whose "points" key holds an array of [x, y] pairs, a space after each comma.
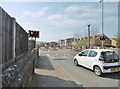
{"points": [[99, 60]]}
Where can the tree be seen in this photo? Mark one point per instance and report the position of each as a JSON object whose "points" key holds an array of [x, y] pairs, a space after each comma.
{"points": [[117, 35], [76, 35], [42, 44], [53, 44], [94, 32], [79, 42]]}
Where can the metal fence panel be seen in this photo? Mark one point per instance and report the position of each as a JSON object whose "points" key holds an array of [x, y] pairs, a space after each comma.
{"points": [[21, 40], [31, 44], [13, 38], [0, 35], [0, 46], [3, 36]]}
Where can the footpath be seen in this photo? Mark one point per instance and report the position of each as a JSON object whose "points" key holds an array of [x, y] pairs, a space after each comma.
{"points": [[49, 74]]}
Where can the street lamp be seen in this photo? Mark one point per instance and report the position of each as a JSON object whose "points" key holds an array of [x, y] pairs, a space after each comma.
{"points": [[88, 35], [101, 1]]}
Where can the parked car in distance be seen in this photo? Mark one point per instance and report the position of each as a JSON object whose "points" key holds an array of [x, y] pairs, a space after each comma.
{"points": [[99, 60]]}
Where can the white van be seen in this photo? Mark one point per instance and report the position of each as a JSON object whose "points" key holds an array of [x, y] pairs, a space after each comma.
{"points": [[99, 60]]}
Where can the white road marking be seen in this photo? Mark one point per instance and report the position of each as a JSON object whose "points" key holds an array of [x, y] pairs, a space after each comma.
{"points": [[49, 56], [57, 55]]}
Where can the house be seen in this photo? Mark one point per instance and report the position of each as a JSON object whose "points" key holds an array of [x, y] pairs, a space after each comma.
{"points": [[117, 41], [107, 41], [95, 41], [113, 42]]}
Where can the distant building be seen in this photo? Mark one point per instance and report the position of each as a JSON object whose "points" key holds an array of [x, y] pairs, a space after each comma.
{"points": [[69, 42], [83, 42], [61, 43], [66, 42]]}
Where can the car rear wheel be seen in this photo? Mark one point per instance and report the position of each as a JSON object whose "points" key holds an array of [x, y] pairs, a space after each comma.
{"points": [[76, 62], [97, 71]]}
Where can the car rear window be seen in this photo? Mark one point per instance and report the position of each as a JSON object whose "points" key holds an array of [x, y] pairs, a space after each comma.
{"points": [[110, 56]]}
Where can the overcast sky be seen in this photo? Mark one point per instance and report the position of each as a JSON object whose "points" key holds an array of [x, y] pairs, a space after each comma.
{"points": [[59, 20]]}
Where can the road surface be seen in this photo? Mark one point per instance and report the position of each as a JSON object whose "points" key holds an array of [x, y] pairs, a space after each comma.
{"points": [[79, 74]]}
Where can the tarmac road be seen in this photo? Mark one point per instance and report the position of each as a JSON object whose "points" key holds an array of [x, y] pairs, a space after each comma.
{"points": [[80, 74]]}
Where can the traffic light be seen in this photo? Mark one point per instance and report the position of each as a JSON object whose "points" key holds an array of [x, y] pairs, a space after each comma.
{"points": [[31, 33], [37, 34], [34, 34], [102, 38]]}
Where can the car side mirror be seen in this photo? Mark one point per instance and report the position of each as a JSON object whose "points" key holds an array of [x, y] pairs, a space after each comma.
{"points": [[80, 54]]}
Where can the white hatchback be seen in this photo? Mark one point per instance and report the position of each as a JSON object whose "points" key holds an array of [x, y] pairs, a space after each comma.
{"points": [[99, 60]]}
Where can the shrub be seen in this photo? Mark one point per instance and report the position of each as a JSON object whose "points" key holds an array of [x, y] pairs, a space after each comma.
{"points": [[118, 46], [109, 45]]}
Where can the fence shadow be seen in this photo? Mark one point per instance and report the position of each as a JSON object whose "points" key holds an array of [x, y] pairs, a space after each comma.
{"points": [[43, 63], [52, 81]]}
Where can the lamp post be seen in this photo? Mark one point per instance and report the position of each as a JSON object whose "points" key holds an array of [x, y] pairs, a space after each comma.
{"points": [[88, 35], [101, 1]]}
